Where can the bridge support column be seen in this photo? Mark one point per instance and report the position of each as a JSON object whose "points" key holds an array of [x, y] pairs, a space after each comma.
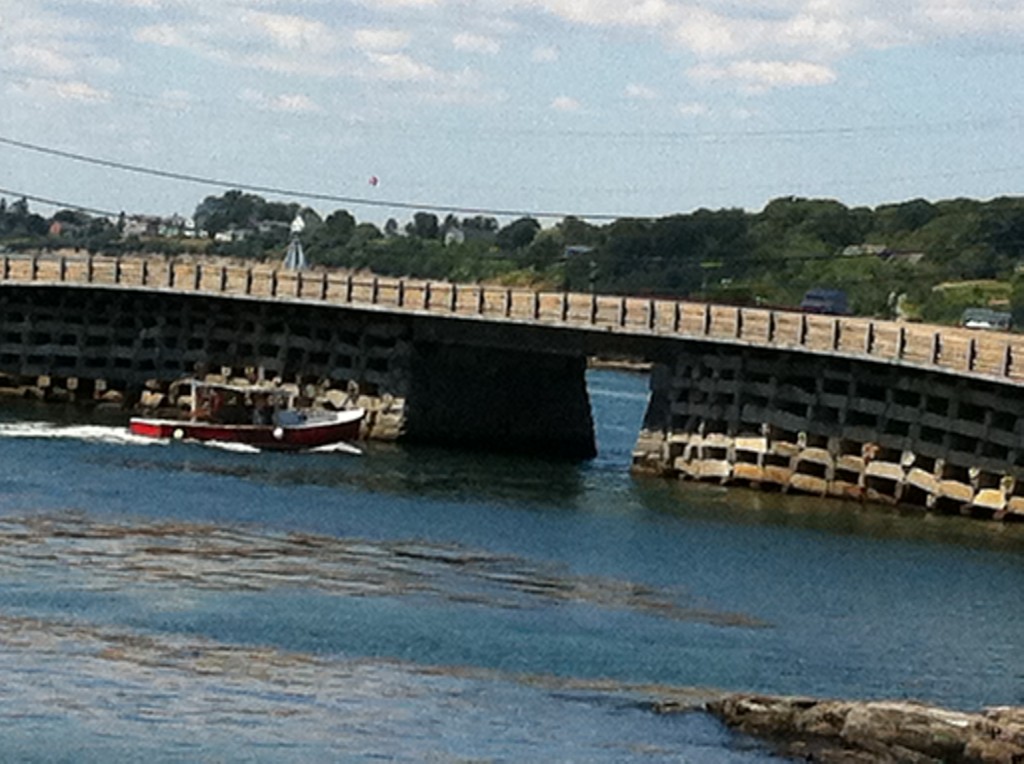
{"points": [[831, 427], [505, 400]]}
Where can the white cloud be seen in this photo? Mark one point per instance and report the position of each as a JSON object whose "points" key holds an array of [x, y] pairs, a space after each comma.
{"points": [[473, 43], [399, 4], [80, 91], [751, 44], [960, 17], [38, 42], [181, 100], [638, 92], [289, 103], [380, 39], [37, 59], [399, 67], [692, 109], [566, 103], [164, 35], [293, 33], [49, 90], [254, 40], [757, 76], [648, 13], [544, 55]]}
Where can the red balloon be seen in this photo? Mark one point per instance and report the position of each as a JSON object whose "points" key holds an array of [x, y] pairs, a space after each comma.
{"points": [[374, 180]]}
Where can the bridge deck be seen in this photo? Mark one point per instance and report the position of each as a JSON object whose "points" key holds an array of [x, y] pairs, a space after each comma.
{"points": [[989, 355]]}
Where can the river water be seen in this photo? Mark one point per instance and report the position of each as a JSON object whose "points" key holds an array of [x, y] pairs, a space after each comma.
{"points": [[177, 602]]}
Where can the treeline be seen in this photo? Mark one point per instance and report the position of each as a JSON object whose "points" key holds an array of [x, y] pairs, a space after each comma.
{"points": [[922, 259]]}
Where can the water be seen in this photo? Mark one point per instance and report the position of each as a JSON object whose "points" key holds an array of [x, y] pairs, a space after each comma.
{"points": [[178, 603]]}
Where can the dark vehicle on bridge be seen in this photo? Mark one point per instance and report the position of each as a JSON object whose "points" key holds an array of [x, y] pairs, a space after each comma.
{"points": [[985, 318], [829, 301]]}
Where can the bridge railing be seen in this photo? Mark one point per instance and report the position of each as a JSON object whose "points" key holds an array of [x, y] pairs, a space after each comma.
{"points": [[987, 354]]}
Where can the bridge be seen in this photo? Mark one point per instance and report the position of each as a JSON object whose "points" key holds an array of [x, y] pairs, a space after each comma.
{"points": [[830, 405]]}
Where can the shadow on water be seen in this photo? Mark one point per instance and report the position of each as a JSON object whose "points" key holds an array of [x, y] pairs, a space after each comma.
{"points": [[415, 472], [750, 507]]}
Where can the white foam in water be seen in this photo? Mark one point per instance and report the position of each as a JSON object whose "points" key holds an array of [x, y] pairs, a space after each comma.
{"points": [[337, 448], [224, 445], [87, 432]]}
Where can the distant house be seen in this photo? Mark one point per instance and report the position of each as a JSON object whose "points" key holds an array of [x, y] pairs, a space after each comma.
{"points": [[233, 234], [271, 226], [141, 225], [865, 250], [910, 258], [454, 235], [883, 252], [57, 229], [177, 227]]}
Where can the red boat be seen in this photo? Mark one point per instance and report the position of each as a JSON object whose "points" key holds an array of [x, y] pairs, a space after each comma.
{"points": [[257, 416]]}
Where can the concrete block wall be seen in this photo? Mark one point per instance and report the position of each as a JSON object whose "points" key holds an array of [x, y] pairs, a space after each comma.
{"points": [[836, 427], [114, 345]]}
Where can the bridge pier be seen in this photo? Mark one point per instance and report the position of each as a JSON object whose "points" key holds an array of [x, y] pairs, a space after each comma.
{"points": [[506, 400], [819, 425]]}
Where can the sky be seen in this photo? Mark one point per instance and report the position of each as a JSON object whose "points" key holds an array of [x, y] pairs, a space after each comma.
{"points": [[595, 108]]}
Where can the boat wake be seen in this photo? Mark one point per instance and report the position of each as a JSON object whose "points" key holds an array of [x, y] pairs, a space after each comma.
{"points": [[84, 432], [245, 448], [226, 445], [337, 448]]}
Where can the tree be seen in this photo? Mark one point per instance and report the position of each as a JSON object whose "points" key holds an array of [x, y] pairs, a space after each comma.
{"points": [[897, 219], [339, 226], [577, 231], [480, 224], [233, 209], [518, 234], [424, 225]]}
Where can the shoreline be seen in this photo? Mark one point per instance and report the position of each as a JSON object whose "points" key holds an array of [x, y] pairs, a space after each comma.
{"points": [[863, 732]]}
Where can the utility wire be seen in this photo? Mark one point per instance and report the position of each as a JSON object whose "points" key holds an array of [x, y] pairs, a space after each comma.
{"points": [[207, 181], [57, 203]]}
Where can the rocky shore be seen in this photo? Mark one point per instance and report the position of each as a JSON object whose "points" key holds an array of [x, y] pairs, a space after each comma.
{"points": [[885, 732]]}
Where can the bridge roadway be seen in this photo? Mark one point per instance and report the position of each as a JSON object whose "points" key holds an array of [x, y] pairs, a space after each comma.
{"points": [[844, 406], [961, 352]]}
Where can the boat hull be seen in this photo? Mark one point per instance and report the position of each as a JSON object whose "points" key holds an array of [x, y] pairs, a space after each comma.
{"points": [[344, 426]]}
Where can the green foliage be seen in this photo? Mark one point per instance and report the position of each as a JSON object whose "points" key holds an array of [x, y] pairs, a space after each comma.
{"points": [[239, 210], [517, 235], [771, 257], [424, 225], [945, 303]]}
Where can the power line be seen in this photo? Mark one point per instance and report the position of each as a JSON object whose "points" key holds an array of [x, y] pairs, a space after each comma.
{"points": [[293, 193], [57, 203]]}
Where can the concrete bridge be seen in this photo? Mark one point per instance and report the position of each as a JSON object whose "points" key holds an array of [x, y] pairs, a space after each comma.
{"points": [[830, 405]]}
